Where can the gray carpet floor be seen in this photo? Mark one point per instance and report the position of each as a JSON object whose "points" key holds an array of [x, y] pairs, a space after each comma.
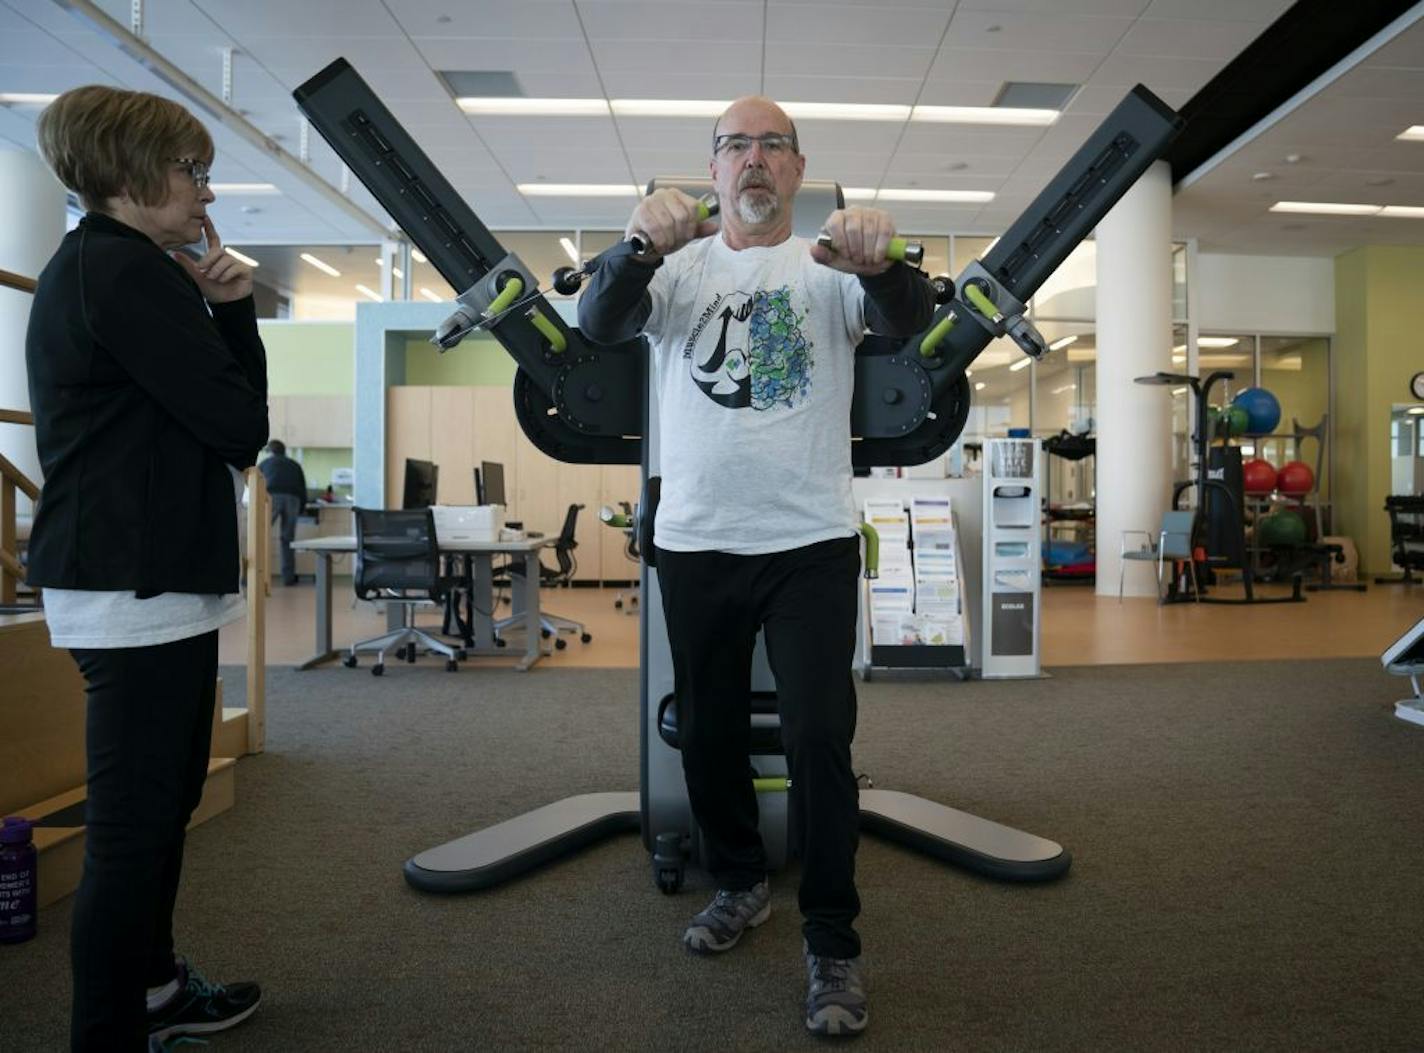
{"points": [[1247, 844]]}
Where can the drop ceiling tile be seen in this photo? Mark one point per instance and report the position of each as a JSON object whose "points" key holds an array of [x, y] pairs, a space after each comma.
{"points": [[955, 141], [1189, 38], [853, 24], [861, 136], [1043, 31], [653, 61], [981, 65], [1261, 11], [634, 84], [506, 133], [868, 60], [485, 19], [1159, 72], [1120, 8], [311, 18], [649, 20], [899, 91], [518, 56], [966, 164]]}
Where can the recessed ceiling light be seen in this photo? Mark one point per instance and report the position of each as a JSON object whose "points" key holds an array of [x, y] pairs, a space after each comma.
{"points": [[838, 111], [669, 107], [243, 188], [912, 194], [1403, 211], [1022, 363], [1413, 134], [418, 256], [1325, 208], [577, 189], [570, 249], [25, 98], [983, 115], [1294, 159], [1261, 177], [430, 295], [1062, 342], [1218, 341], [239, 256], [506, 106], [1415, 411], [321, 265], [370, 294], [979, 385]]}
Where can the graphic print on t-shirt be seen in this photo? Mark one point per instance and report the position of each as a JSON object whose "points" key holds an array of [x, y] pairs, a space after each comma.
{"points": [[748, 350]]}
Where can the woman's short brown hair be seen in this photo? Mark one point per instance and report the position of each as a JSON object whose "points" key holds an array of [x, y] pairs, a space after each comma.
{"points": [[101, 142]]}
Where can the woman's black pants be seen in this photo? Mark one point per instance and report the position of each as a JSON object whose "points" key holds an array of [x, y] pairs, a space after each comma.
{"points": [[150, 718]]}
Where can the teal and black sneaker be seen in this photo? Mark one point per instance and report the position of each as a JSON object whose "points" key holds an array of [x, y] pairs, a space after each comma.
{"points": [[835, 996], [201, 1007], [721, 924]]}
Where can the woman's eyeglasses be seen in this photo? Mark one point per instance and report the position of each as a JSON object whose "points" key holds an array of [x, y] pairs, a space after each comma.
{"points": [[197, 170], [735, 144]]}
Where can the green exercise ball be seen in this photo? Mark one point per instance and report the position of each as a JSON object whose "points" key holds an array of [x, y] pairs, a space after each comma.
{"points": [[1280, 528], [1226, 424]]}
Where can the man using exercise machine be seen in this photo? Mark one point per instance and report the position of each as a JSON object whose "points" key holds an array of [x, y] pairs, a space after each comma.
{"points": [[753, 333]]}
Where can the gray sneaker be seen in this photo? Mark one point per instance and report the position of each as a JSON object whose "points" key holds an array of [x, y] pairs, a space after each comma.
{"points": [[721, 924], [835, 996]]}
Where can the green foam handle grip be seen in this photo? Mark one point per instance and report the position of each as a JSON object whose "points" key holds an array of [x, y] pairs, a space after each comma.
{"points": [[931, 341], [905, 251], [771, 785], [507, 296], [549, 330], [617, 520], [979, 300], [872, 550]]}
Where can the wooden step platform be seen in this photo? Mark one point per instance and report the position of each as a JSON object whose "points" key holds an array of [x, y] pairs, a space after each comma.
{"points": [[59, 828]]}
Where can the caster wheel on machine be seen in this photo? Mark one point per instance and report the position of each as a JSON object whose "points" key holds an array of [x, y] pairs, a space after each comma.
{"points": [[378, 669], [586, 637], [452, 666], [560, 644], [349, 661]]}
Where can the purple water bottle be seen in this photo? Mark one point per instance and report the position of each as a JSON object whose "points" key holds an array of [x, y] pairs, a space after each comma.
{"points": [[19, 890]]}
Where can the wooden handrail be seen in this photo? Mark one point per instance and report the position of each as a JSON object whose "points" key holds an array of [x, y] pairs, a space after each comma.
{"points": [[11, 280], [11, 474], [16, 416]]}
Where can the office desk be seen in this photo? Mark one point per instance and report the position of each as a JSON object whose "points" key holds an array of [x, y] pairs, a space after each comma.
{"points": [[483, 553]]}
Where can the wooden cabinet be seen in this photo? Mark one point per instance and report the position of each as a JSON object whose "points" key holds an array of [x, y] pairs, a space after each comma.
{"points": [[311, 420]]}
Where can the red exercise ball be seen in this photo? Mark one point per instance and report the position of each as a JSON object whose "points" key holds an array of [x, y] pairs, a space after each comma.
{"points": [[1296, 478], [1258, 476]]}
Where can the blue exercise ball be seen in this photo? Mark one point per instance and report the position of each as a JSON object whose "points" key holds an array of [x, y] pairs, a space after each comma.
{"points": [[1262, 410]]}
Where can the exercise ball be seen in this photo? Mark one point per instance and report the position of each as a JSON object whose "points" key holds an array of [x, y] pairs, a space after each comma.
{"points": [[1227, 424], [1296, 478], [1262, 410], [1280, 528], [1258, 476]]}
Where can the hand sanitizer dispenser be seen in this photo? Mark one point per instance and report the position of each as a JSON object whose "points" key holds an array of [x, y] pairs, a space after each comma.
{"points": [[1012, 583]]}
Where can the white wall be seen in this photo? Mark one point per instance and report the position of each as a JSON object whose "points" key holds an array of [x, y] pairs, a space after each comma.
{"points": [[1270, 294]]}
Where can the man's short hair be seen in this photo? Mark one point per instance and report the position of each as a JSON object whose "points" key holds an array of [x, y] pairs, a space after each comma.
{"points": [[795, 138], [277, 447], [101, 141]]}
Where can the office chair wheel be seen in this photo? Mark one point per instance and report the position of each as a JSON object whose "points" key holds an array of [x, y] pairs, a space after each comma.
{"points": [[617, 605], [500, 641], [378, 669], [560, 643], [400, 653], [461, 655], [410, 652], [349, 661], [545, 633], [452, 666], [586, 637]]}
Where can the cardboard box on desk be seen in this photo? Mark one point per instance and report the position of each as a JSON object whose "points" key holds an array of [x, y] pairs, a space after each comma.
{"points": [[467, 522]]}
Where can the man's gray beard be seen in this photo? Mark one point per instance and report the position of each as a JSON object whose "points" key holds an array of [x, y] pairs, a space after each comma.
{"points": [[756, 209]]}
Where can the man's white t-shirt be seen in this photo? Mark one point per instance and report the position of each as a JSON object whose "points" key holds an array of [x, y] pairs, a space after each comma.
{"points": [[754, 369]]}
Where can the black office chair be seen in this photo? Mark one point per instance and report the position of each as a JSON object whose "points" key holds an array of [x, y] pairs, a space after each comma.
{"points": [[1406, 537], [397, 561], [627, 602], [553, 624]]}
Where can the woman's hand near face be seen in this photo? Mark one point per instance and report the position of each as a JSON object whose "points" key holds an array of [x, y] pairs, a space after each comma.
{"points": [[221, 277]]}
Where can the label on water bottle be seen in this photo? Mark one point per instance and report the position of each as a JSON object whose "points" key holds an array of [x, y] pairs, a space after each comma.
{"points": [[17, 901]]}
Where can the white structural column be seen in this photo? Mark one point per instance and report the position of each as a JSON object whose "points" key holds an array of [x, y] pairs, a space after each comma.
{"points": [[1134, 426], [31, 226]]}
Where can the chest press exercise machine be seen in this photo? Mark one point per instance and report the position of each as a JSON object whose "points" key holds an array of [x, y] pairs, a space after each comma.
{"points": [[589, 404]]}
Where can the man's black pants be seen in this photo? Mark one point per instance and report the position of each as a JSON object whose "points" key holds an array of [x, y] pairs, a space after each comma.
{"points": [[149, 723], [805, 600]]}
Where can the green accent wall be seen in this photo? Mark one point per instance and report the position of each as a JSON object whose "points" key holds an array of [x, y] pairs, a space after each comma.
{"points": [[1377, 350], [310, 358], [474, 362], [318, 462]]}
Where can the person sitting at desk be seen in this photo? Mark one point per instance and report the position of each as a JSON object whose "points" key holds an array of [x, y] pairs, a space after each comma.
{"points": [[288, 486]]}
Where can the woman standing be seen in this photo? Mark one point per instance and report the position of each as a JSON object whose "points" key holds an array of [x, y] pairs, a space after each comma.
{"points": [[148, 383]]}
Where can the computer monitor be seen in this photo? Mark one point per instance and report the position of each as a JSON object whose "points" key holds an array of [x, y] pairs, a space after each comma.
{"points": [[421, 483], [492, 480]]}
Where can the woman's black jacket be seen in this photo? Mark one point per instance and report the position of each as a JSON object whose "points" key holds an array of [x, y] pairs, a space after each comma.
{"points": [[142, 396]]}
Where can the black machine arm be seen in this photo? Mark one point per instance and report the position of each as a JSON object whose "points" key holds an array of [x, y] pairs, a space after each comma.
{"points": [[581, 402]]}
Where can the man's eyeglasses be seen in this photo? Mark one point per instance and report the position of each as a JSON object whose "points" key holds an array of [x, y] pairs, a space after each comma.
{"points": [[735, 144], [197, 170]]}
